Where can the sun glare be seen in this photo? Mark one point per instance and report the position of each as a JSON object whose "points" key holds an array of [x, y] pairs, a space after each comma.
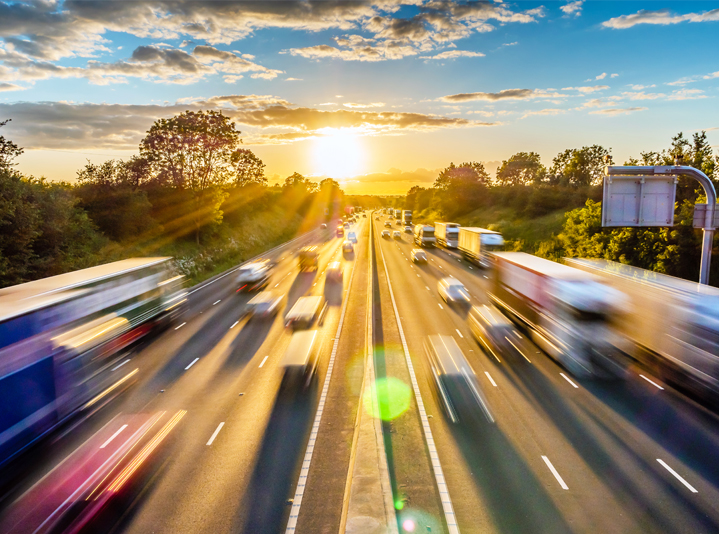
{"points": [[338, 155]]}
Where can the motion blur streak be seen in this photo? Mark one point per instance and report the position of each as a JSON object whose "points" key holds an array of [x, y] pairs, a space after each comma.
{"points": [[111, 388], [146, 451]]}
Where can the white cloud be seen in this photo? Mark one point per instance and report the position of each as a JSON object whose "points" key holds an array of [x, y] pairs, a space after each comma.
{"points": [[587, 89], [11, 87], [614, 75], [293, 79], [354, 105], [505, 94], [550, 111], [637, 87], [572, 8], [616, 111], [661, 17], [687, 94], [453, 54], [601, 76], [640, 95]]}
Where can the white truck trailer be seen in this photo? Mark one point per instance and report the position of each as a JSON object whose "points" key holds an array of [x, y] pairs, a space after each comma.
{"points": [[447, 234], [568, 312], [476, 244], [669, 325]]}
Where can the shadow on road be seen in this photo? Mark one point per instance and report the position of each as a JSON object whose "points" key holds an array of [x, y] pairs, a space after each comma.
{"points": [[266, 507]]}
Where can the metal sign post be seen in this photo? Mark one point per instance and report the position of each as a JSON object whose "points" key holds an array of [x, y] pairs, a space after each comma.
{"points": [[644, 196]]}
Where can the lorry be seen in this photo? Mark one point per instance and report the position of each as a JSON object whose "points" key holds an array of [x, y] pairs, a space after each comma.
{"points": [[424, 235], [398, 214], [309, 258], [407, 218], [568, 313], [476, 244], [447, 234], [669, 325]]}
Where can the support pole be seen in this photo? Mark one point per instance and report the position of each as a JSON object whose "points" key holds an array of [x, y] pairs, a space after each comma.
{"points": [[706, 183]]}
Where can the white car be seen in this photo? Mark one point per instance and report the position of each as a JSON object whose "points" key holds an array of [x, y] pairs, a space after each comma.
{"points": [[265, 304], [385, 233], [348, 247], [397, 234], [351, 236], [407, 229], [453, 291]]}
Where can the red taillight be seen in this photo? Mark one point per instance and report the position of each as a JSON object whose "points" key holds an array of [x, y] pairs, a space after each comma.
{"points": [[243, 287]]}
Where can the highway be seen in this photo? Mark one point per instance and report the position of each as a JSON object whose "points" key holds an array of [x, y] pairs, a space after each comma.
{"points": [[554, 453]]}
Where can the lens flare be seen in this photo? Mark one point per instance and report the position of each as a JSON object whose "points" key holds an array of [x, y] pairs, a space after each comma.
{"points": [[388, 399]]}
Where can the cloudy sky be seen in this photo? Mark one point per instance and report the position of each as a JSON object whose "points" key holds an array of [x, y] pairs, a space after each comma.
{"points": [[378, 94]]}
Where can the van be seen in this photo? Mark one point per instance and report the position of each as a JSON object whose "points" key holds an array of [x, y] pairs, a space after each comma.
{"points": [[424, 235], [300, 360]]}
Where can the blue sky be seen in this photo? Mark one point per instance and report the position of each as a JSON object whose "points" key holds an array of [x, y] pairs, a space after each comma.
{"points": [[379, 94]]}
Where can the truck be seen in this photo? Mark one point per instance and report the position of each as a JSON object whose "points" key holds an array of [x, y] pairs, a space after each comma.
{"points": [[309, 258], [398, 214], [424, 235], [447, 234], [669, 325], [407, 218], [568, 313], [476, 244]]}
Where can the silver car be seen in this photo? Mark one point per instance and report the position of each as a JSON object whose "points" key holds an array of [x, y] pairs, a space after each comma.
{"points": [[453, 291], [419, 255], [457, 386], [492, 330], [265, 304], [396, 234]]}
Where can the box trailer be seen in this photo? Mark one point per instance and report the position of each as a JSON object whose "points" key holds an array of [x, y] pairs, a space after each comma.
{"points": [[447, 234], [476, 244]]}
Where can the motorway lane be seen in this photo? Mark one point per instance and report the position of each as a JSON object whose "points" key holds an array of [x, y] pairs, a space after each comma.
{"points": [[608, 463], [228, 364]]}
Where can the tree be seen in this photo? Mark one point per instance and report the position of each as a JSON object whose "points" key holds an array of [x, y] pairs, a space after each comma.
{"points": [[523, 168], [249, 169], [8, 150], [193, 151], [580, 167], [461, 188], [296, 183]]}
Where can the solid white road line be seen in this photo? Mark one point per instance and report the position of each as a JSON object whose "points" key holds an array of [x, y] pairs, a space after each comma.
{"points": [[677, 475], [217, 302], [555, 473], [264, 360], [301, 483], [123, 427], [427, 288], [178, 327], [447, 507], [234, 324], [214, 434], [652, 382], [118, 366], [460, 333], [519, 351], [440, 306], [567, 379], [490, 379], [193, 363]]}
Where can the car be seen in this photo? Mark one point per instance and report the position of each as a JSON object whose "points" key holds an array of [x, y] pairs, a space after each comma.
{"points": [[492, 330], [455, 380], [396, 234], [323, 226], [408, 229], [351, 236], [254, 276], [364, 215], [385, 233], [398, 222], [453, 291], [334, 272], [264, 304], [347, 225], [376, 218], [340, 231], [304, 312], [347, 246], [387, 224], [419, 255]]}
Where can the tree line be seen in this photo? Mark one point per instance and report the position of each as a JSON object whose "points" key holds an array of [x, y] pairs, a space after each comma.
{"points": [[192, 189], [573, 183]]}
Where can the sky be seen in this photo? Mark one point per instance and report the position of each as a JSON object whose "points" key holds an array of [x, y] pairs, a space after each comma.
{"points": [[378, 95]]}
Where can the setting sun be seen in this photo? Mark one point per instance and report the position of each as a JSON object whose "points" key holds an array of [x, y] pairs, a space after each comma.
{"points": [[338, 154]]}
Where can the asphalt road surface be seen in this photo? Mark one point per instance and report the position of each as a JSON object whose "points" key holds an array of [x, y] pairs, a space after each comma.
{"points": [[553, 454]]}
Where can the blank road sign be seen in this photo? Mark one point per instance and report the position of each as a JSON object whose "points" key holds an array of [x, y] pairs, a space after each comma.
{"points": [[638, 201]]}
